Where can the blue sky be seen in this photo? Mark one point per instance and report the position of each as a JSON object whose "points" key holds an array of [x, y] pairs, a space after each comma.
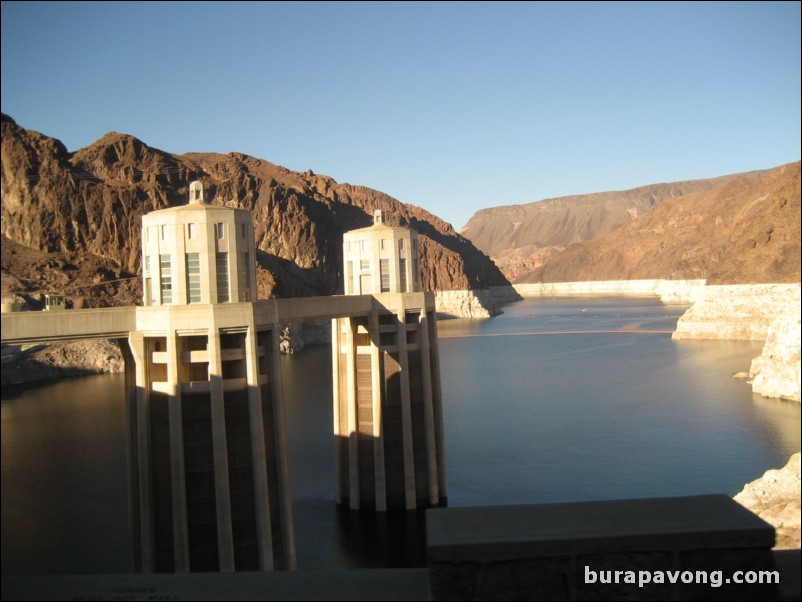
{"points": [[450, 106]]}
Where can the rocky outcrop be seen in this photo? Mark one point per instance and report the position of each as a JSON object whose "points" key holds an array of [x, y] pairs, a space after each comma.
{"points": [[669, 291], [738, 312], [71, 224], [31, 363], [521, 238], [746, 231], [461, 304], [294, 337], [777, 373], [89, 204], [757, 312], [775, 497], [474, 303]]}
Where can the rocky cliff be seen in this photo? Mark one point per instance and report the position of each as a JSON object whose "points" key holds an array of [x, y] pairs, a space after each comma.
{"points": [[521, 238], [775, 498], [758, 312], [777, 372], [746, 231], [669, 291], [85, 207], [71, 223], [739, 312], [28, 363]]}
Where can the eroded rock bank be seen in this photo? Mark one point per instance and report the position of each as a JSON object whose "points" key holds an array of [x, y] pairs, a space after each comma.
{"points": [[775, 497], [478, 303], [758, 312], [669, 291], [737, 311], [32, 363], [777, 371]]}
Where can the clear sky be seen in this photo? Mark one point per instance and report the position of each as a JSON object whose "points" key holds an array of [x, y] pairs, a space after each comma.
{"points": [[450, 106]]}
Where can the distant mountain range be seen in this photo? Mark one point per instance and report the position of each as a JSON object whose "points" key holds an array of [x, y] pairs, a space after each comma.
{"points": [[739, 228], [71, 220]]}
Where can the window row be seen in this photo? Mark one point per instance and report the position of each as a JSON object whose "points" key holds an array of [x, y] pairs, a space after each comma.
{"points": [[191, 232], [364, 276], [384, 243], [192, 271]]}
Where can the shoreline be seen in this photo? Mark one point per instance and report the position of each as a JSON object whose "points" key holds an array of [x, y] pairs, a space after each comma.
{"points": [[669, 291], [767, 312]]}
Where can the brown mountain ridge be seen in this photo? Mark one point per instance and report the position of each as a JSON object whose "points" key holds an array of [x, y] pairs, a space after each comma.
{"points": [[745, 231], [62, 210], [519, 238]]}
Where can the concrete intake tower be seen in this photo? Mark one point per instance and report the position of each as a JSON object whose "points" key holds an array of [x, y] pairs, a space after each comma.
{"points": [[208, 478], [388, 413]]}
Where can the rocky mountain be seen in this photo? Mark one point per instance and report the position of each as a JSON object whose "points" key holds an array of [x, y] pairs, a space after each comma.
{"points": [[72, 219], [746, 231], [520, 238]]}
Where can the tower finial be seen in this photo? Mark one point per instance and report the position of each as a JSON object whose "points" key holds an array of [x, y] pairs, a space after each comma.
{"points": [[196, 196]]}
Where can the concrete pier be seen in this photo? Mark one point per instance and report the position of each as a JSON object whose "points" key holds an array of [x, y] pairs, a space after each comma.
{"points": [[388, 417]]}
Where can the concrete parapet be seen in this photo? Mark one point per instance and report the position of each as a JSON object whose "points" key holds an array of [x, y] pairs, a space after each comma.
{"points": [[363, 584], [40, 326], [599, 550]]}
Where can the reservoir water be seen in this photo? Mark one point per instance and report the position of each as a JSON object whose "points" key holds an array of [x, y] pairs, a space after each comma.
{"points": [[565, 399]]}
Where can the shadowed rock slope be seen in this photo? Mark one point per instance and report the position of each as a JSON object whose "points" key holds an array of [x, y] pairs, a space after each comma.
{"points": [[520, 238], [746, 231], [84, 208]]}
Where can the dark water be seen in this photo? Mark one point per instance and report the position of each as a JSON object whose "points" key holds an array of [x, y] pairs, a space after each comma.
{"points": [[530, 417]]}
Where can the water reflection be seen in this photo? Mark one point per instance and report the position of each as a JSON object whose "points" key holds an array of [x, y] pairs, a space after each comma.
{"points": [[528, 419], [64, 480]]}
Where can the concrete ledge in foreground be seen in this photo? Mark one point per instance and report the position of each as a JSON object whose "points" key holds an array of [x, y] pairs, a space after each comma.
{"points": [[546, 551], [363, 584]]}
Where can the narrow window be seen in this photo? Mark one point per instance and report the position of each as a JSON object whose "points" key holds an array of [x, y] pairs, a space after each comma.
{"points": [[384, 268], [402, 273], [219, 230], [193, 278], [364, 265], [400, 244], [166, 279], [242, 231], [190, 230], [222, 278], [244, 285], [164, 232], [147, 263]]}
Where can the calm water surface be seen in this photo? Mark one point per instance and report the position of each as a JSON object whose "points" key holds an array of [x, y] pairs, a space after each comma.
{"points": [[608, 408]]}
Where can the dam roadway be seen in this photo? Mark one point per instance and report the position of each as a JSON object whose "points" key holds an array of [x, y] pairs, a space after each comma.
{"points": [[117, 322]]}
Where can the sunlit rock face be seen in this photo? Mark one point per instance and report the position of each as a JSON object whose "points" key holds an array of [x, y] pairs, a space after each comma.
{"points": [[777, 370], [85, 208], [737, 312], [775, 498]]}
